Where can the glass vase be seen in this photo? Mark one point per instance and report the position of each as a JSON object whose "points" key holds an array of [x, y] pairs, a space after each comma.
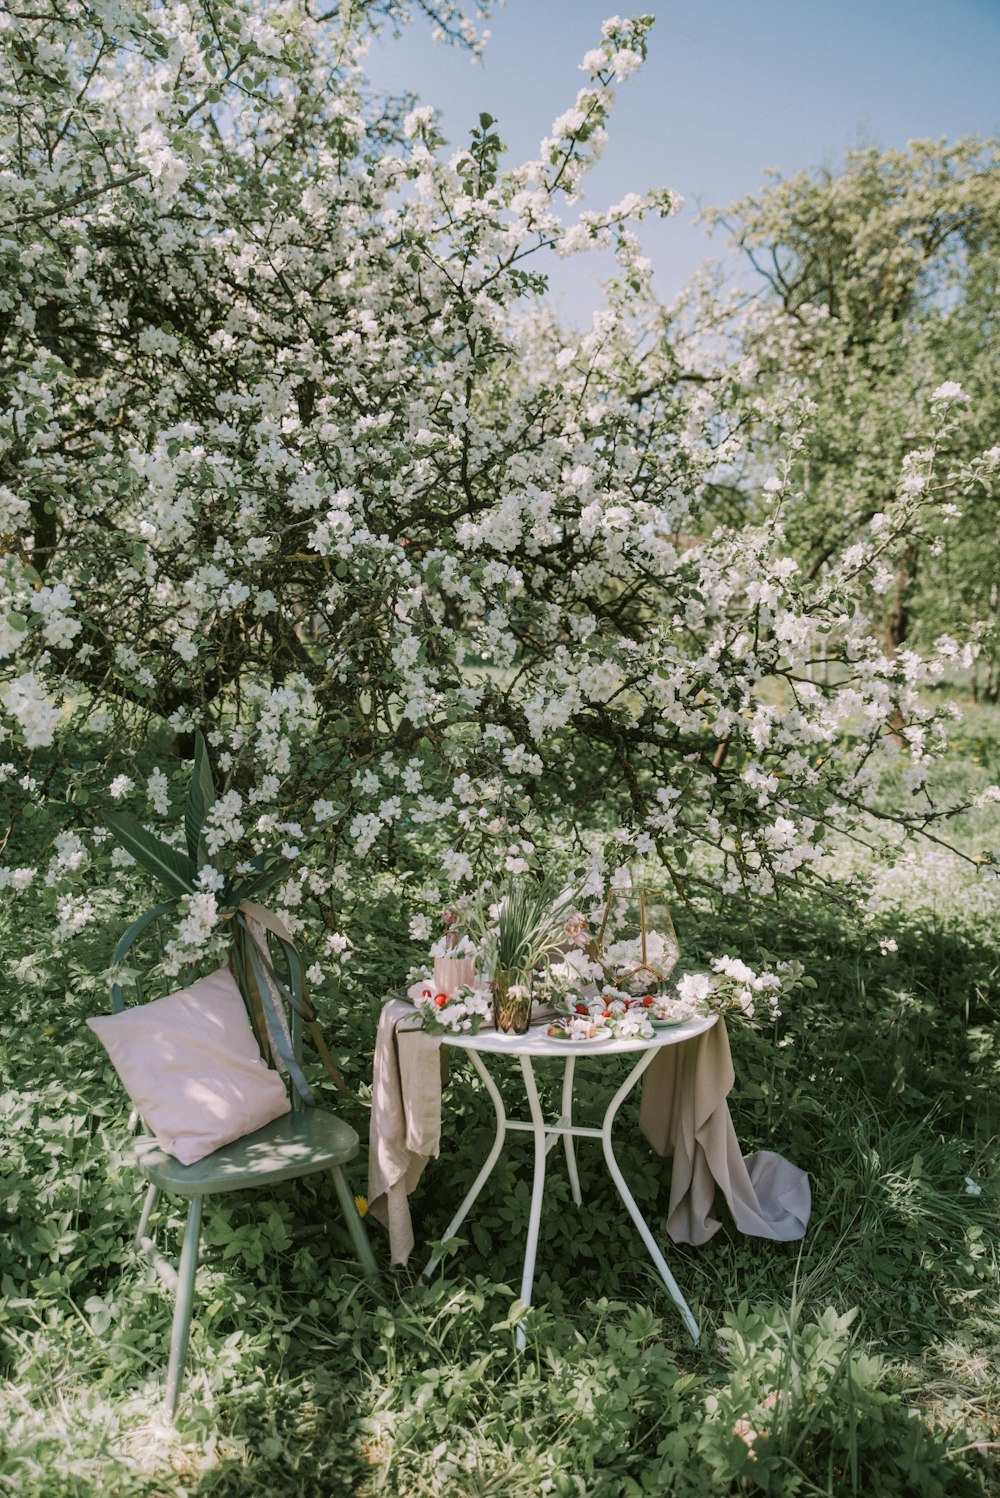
{"points": [[511, 1002]]}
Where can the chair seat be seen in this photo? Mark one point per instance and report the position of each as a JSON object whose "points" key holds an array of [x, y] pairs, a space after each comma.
{"points": [[296, 1144]]}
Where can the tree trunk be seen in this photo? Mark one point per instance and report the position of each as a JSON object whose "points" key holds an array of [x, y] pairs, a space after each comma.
{"points": [[898, 619]]}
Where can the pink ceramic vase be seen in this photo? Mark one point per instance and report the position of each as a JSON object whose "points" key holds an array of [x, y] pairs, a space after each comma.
{"points": [[453, 973]]}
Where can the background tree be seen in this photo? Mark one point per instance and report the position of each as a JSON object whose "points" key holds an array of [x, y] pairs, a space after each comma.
{"points": [[880, 285]]}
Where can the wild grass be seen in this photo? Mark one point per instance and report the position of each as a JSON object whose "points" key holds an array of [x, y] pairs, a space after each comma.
{"points": [[862, 1361]]}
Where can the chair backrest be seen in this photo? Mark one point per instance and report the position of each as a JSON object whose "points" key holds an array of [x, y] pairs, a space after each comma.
{"points": [[267, 970]]}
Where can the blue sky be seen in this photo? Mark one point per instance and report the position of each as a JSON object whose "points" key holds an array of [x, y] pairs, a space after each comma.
{"points": [[731, 87]]}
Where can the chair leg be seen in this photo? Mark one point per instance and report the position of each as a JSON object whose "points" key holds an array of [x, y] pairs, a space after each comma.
{"points": [[355, 1226], [183, 1304], [148, 1208]]}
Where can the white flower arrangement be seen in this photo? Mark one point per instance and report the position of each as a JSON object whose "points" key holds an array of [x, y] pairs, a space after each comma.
{"points": [[694, 988], [637, 968], [736, 988], [730, 988], [462, 1011]]}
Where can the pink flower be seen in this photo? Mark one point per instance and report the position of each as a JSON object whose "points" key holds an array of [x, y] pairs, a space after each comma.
{"points": [[577, 931]]}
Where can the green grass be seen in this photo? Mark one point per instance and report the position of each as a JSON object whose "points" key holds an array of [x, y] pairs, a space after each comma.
{"points": [[865, 1357]]}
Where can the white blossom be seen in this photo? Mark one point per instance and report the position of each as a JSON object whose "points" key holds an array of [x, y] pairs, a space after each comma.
{"points": [[951, 390]]}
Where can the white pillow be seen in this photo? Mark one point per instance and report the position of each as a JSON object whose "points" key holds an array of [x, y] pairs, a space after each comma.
{"points": [[192, 1066]]}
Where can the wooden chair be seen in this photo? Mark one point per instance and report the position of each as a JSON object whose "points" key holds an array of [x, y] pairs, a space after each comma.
{"points": [[307, 1140]]}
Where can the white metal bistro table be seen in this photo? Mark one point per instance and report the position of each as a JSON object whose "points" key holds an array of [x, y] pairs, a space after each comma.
{"points": [[537, 1045]]}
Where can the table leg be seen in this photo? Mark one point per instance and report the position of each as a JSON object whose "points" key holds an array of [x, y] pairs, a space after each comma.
{"points": [[567, 1118], [537, 1190], [488, 1164], [627, 1197]]}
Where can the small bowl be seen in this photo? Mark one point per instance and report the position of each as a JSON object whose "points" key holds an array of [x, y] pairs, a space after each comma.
{"points": [[668, 1013]]}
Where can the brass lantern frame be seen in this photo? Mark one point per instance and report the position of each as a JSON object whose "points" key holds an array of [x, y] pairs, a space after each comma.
{"points": [[646, 895]]}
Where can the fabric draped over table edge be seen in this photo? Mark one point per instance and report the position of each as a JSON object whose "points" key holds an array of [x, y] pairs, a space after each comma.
{"points": [[405, 1128], [684, 1112]]}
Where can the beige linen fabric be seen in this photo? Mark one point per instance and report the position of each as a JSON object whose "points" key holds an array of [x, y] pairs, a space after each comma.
{"points": [[405, 1129], [684, 1112]]}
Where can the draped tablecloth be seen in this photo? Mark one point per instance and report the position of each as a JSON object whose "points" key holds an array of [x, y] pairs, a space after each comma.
{"points": [[405, 1128], [684, 1113]]}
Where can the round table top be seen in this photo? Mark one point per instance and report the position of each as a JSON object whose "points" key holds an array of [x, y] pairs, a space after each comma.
{"points": [[537, 1043]]}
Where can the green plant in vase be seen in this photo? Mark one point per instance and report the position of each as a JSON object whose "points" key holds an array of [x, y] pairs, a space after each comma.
{"points": [[519, 928]]}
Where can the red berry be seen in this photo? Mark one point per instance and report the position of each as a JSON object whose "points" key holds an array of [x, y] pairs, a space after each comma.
{"points": [[647, 999], [581, 1009], [440, 1000], [606, 1013]]}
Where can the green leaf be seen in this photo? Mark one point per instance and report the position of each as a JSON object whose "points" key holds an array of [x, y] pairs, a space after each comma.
{"points": [[174, 870], [267, 858], [201, 798], [252, 888], [269, 867]]}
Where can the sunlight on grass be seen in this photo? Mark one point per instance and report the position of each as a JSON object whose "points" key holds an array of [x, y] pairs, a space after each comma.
{"points": [[861, 1361]]}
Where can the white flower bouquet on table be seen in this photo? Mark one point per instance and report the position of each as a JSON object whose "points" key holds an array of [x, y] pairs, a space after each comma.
{"points": [[731, 987], [462, 1010], [734, 988]]}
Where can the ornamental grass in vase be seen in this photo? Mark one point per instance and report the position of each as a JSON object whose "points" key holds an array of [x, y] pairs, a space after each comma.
{"points": [[520, 928]]}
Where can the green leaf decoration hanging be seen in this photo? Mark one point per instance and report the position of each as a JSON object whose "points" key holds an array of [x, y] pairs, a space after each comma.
{"points": [[255, 885], [269, 858], [269, 867], [175, 870], [201, 798]]}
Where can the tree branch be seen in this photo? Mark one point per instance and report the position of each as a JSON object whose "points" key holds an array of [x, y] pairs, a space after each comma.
{"points": [[84, 196]]}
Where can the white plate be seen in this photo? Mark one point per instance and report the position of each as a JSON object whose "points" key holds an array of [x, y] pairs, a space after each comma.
{"points": [[603, 1034]]}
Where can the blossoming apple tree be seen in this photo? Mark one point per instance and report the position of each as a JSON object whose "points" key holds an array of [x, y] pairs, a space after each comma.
{"points": [[291, 452]]}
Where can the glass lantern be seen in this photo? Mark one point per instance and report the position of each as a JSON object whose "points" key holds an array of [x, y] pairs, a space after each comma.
{"points": [[637, 946]]}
